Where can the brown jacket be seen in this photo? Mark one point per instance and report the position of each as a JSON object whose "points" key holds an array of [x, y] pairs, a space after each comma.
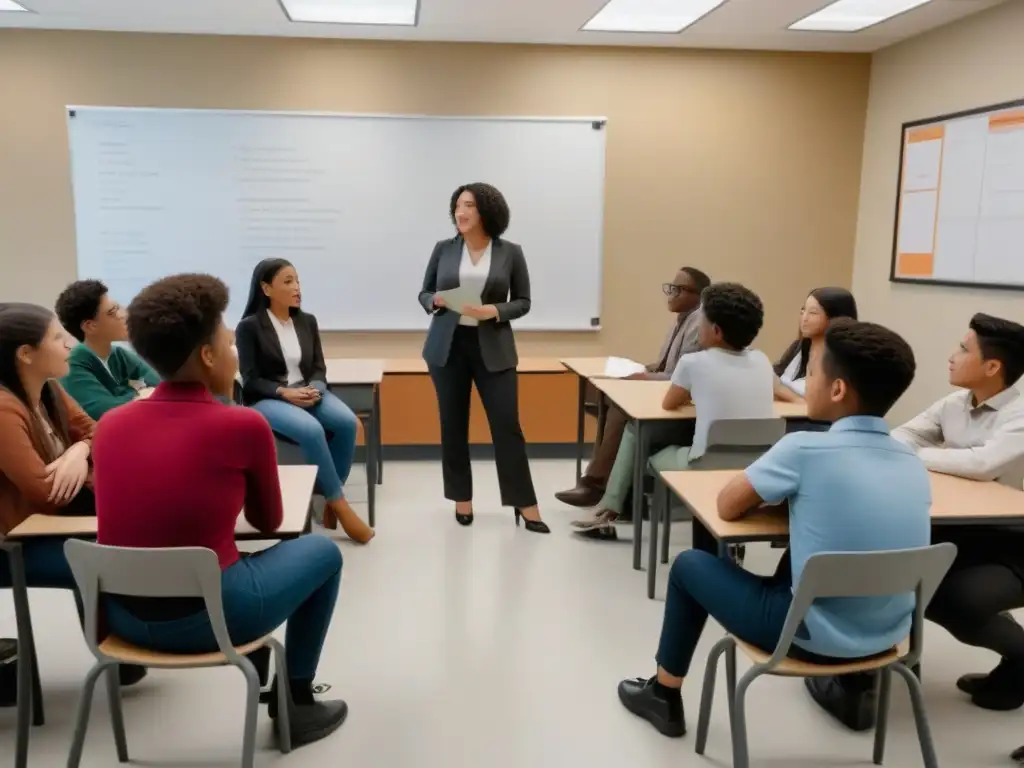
{"points": [[25, 451]]}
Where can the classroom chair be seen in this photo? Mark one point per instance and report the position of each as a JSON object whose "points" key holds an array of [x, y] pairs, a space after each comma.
{"points": [[732, 444], [831, 575], [30, 695], [171, 572]]}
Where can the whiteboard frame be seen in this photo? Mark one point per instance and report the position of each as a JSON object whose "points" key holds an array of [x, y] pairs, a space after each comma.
{"points": [[893, 278], [596, 121]]}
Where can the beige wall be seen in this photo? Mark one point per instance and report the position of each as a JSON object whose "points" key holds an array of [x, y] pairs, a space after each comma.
{"points": [[972, 63], [744, 164]]}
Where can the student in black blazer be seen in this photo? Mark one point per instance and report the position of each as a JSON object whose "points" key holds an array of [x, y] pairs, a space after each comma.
{"points": [[478, 347], [284, 377]]}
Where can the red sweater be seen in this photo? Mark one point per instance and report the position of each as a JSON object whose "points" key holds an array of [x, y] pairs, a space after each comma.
{"points": [[175, 470]]}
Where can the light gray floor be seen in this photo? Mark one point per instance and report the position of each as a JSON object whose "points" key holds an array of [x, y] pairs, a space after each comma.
{"points": [[488, 646]]}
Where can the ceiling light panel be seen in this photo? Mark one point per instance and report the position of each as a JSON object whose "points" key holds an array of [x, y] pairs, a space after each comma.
{"points": [[10, 5], [390, 12], [666, 16], [855, 15]]}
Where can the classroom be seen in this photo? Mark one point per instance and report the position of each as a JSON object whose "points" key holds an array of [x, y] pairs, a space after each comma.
{"points": [[730, 224]]}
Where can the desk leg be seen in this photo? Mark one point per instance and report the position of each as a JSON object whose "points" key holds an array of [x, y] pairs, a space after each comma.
{"points": [[639, 467], [580, 425], [660, 507], [602, 415], [377, 434], [370, 429]]}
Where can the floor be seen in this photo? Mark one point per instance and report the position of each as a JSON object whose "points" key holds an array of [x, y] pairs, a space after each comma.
{"points": [[490, 646]]}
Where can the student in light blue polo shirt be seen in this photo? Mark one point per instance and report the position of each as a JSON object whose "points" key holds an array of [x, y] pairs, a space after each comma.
{"points": [[851, 489]]}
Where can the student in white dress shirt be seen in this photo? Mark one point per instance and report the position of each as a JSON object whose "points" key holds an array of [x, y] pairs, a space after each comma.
{"points": [[822, 306], [477, 346], [284, 377]]}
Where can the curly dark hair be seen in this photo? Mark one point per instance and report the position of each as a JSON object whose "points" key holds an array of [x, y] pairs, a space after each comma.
{"points": [[490, 204], [874, 361], [79, 303], [736, 310], [700, 279], [173, 317], [1001, 340]]}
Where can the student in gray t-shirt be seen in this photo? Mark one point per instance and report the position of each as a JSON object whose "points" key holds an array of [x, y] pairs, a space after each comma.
{"points": [[725, 380]]}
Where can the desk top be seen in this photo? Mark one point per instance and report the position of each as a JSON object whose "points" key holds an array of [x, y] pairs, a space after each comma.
{"points": [[587, 367], [642, 400], [954, 500], [356, 370], [296, 491], [526, 365]]}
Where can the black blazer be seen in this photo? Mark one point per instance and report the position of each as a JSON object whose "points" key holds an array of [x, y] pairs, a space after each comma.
{"points": [[261, 360], [507, 288]]}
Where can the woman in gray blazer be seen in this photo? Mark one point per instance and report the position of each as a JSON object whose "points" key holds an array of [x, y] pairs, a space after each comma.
{"points": [[478, 347]]}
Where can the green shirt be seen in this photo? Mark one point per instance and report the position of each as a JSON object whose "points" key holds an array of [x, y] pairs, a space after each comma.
{"points": [[98, 387]]}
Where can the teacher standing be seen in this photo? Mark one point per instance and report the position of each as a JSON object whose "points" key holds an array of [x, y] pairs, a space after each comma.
{"points": [[478, 347]]}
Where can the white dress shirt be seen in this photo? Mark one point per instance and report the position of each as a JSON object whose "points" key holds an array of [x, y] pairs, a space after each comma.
{"points": [[788, 377], [473, 277], [290, 348], [979, 442]]}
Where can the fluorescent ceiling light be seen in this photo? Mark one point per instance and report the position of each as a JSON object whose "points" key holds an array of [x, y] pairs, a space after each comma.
{"points": [[669, 16], [397, 12], [10, 5], [854, 15]]}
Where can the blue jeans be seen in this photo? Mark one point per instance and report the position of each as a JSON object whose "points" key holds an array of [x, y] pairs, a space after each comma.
{"points": [[45, 564], [295, 581], [309, 427]]}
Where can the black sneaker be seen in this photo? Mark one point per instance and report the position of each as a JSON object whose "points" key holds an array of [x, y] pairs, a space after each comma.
{"points": [[312, 722], [853, 706], [1001, 690], [664, 711], [975, 682]]}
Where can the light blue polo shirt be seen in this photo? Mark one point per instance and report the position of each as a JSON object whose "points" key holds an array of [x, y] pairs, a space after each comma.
{"points": [[851, 489]]}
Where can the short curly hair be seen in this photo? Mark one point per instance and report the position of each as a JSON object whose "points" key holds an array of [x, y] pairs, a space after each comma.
{"points": [[736, 310], [79, 303], [171, 318], [1001, 340], [874, 361], [490, 204]]}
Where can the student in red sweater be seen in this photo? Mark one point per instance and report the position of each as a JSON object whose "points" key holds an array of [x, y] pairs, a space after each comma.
{"points": [[207, 462]]}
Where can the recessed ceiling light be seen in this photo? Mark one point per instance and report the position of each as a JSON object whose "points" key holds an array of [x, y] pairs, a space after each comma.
{"points": [[396, 12], [10, 5], [668, 16], [854, 15]]}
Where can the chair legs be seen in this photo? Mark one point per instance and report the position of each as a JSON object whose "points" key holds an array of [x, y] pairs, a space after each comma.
{"points": [[84, 708], [29, 698], [924, 734], [882, 717], [707, 694], [252, 700], [284, 696], [116, 712], [740, 753]]}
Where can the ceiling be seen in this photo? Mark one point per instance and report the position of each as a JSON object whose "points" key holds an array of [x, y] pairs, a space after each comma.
{"points": [[756, 24]]}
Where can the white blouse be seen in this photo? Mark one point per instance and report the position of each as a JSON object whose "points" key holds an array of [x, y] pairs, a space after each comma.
{"points": [[290, 348], [473, 277], [788, 377]]}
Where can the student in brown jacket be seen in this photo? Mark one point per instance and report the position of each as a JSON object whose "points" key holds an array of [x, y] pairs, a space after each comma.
{"points": [[45, 440]]}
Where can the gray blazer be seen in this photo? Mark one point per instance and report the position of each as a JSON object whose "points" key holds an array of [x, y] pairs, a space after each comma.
{"points": [[507, 288]]}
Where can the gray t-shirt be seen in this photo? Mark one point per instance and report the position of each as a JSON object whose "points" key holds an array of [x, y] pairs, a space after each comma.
{"points": [[725, 385]]}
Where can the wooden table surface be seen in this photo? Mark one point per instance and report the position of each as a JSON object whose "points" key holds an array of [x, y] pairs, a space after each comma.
{"points": [[296, 491], [642, 400], [954, 500], [356, 370], [526, 365], [587, 367]]}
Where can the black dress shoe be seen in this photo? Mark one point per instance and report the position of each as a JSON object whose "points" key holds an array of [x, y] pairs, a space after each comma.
{"points": [[312, 722], [587, 494], [464, 519], [599, 533], [130, 674], [660, 706], [1001, 690], [854, 704], [533, 526]]}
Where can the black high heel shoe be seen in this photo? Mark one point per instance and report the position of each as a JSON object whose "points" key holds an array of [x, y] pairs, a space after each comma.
{"points": [[463, 519], [533, 526]]}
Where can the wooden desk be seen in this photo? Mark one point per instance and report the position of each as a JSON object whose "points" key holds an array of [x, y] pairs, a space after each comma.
{"points": [[641, 402], [354, 371], [296, 492], [586, 368]]}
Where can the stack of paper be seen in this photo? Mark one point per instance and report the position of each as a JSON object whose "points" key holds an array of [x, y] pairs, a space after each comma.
{"points": [[621, 367]]}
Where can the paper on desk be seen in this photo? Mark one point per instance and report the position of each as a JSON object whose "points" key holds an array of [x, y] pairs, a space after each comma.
{"points": [[459, 298], [621, 367]]}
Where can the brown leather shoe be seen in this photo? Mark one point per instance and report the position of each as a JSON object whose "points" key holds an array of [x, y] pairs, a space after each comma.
{"points": [[351, 523], [587, 494]]}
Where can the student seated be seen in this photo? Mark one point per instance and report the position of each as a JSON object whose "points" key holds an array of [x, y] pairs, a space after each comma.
{"points": [[822, 306], [851, 489], [725, 380], [284, 377], [683, 294], [978, 433], [45, 441], [210, 462], [101, 376]]}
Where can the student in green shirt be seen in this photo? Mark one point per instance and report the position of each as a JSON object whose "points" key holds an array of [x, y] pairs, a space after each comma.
{"points": [[102, 376]]}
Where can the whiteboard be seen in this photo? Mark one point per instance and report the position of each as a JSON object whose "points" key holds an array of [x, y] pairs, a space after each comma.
{"points": [[356, 202], [960, 204]]}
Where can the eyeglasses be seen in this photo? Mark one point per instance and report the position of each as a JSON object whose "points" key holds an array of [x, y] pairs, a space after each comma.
{"points": [[671, 289]]}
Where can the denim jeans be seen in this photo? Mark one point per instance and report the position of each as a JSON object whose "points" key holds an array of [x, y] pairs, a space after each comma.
{"points": [[45, 564], [295, 581], [620, 480], [309, 427]]}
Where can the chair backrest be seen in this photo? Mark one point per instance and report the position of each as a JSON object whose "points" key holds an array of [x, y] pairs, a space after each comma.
{"points": [[157, 572], [868, 574], [737, 443]]}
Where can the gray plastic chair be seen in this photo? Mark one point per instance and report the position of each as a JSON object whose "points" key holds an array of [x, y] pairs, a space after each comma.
{"points": [[173, 572], [848, 574], [732, 444]]}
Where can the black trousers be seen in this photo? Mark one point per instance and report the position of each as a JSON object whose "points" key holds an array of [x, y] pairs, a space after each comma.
{"points": [[499, 393]]}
